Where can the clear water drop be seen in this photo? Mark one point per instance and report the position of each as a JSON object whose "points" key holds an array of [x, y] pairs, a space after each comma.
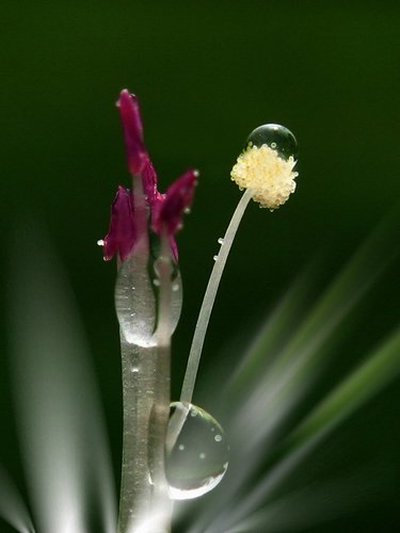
{"points": [[134, 294], [197, 460], [276, 137], [215, 257], [220, 240], [100, 242]]}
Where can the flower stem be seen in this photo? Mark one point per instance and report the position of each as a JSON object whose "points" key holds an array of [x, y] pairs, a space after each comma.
{"points": [[209, 298], [138, 385], [144, 501]]}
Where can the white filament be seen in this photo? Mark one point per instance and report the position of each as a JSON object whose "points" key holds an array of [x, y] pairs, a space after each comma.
{"points": [[209, 298]]}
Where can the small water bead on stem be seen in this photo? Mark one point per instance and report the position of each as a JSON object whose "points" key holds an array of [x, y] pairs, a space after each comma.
{"points": [[198, 457]]}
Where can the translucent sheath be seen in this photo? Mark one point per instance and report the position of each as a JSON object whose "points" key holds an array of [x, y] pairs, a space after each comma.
{"points": [[146, 324]]}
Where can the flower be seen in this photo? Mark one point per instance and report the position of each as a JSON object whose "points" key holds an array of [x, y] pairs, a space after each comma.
{"points": [[136, 212], [268, 176]]}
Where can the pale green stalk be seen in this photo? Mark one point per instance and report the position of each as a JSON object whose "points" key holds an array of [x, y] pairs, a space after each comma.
{"points": [[178, 418], [209, 299], [144, 503]]}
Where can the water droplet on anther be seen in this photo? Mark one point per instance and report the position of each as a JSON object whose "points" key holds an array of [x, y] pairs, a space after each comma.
{"points": [[198, 460], [276, 137]]}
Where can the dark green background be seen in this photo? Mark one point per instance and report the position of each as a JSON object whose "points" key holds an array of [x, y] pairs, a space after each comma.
{"points": [[207, 73]]}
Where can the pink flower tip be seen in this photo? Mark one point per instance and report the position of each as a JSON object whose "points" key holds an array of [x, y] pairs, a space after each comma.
{"points": [[137, 155], [168, 212], [165, 210]]}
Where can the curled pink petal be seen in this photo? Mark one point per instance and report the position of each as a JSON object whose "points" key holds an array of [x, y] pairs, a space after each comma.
{"points": [[133, 132], [168, 210], [121, 235]]}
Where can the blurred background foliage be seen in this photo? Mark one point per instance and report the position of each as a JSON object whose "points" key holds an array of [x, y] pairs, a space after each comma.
{"points": [[206, 74]]}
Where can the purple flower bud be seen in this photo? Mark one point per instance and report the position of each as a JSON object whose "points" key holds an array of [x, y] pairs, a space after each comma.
{"points": [[165, 211]]}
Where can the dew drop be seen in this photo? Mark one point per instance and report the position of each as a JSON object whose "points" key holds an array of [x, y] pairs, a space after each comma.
{"points": [[220, 240], [156, 282], [175, 287], [276, 137], [135, 369], [215, 257], [198, 460], [100, 242]]}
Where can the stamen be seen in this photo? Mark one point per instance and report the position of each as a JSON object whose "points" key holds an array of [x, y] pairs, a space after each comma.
{"points": [[266, 172]]}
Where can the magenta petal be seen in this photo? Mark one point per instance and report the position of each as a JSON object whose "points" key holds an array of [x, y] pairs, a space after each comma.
{"points": [[139, 162], [121, 235], [168, 210], [133, 132], [149, 179]]}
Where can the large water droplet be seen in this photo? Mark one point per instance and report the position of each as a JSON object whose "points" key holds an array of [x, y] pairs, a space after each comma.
{"points": [[136, 305], [276, 137], [197, 458]]}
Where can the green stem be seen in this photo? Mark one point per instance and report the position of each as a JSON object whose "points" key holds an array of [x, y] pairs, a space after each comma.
{"points": [[139, 392]]}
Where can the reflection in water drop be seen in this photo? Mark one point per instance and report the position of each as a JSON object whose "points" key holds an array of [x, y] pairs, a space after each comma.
{"points": [[198, 459], [276, 137]]}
